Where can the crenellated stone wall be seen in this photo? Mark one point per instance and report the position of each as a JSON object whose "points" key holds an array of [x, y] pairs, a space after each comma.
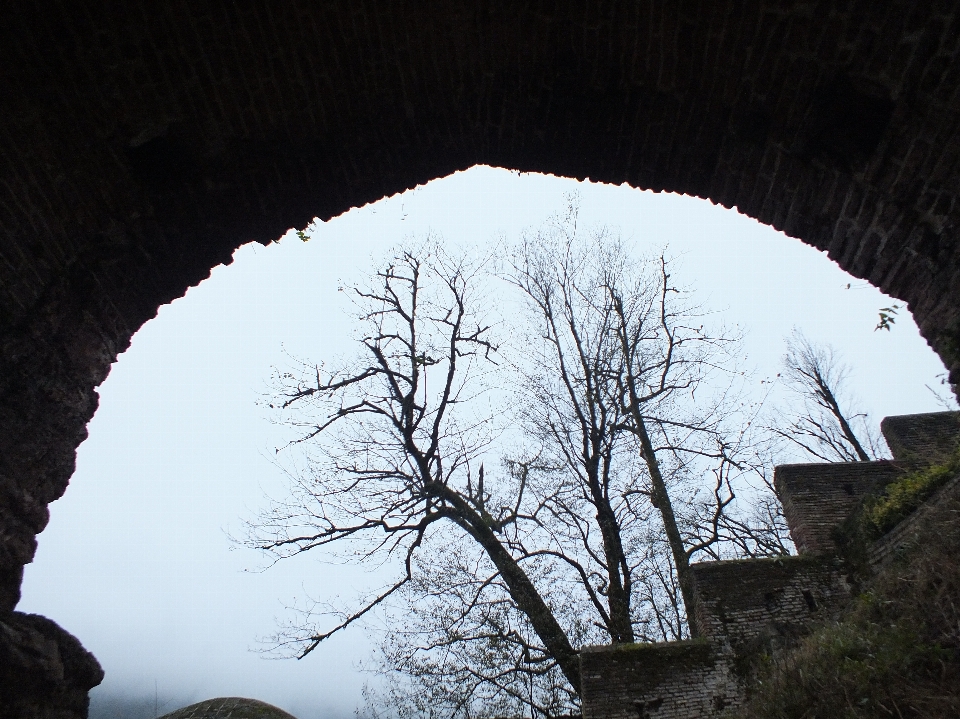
{"points": [[818, 497], [750, 603], [888, 546], [922, 438], [680, 680], [743, 607], [749, 607]]}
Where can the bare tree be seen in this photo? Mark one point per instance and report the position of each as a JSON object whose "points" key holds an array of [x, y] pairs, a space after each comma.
{"points": [[947, 396], [456, 645], [588, 526], [569, 409], [758, 527], [629, 394], [396, 448], [627, 471], [821, 421]]}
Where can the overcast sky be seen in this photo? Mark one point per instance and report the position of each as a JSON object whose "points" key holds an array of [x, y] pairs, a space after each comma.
{"points": [[136, 560]]}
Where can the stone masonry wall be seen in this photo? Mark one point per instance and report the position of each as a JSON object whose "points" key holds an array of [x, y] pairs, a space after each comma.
{"points": [[918, 439], [754, 606], [754, 603], [142, 142], [818, 497], [679, 680], [887, 547], [743, 607], [922, 438]]}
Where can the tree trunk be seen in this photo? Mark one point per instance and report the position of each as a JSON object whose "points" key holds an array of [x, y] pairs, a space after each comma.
{"points": [[529, 601], [522, 591], [844, 425], [618, 593], [661, 500]]}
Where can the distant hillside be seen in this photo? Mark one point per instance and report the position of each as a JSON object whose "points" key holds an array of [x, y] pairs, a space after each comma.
{"points": [[229, 708]]}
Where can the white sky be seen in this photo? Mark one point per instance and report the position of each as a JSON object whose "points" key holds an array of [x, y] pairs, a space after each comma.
{"points": [[136, 561]]}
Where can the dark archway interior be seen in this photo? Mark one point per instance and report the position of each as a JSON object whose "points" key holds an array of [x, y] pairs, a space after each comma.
{"points": [[142, 142]]}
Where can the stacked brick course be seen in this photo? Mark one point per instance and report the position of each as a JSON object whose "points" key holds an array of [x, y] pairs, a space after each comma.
{"points": [[751, 601], [751, 606], [680, 680]]}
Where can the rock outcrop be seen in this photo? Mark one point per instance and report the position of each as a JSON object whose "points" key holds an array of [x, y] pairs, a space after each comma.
{"points": [[44, 671]]}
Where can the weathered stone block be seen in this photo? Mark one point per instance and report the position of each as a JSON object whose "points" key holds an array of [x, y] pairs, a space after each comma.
{"points": [[678, 680], [928, 438], [44, 671], [817, 498]]}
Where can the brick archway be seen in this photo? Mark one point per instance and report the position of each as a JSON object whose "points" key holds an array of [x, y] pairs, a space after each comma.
{"points": [[142, 142]]}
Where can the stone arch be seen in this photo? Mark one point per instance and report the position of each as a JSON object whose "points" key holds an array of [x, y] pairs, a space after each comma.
{"points": [[142, 142]]}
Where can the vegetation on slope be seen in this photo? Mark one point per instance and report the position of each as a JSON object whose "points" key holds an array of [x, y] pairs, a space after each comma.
{"points": [[896, 652], [899, 499]]}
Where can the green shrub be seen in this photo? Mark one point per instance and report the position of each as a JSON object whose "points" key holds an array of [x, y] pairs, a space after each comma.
{"points": [[855, 670], [901, 497]]}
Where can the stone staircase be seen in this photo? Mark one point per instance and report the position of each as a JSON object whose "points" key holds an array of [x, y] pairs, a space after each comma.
{"points": [[749, 606]]}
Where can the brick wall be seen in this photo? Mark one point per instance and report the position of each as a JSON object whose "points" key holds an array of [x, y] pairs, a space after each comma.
{"points": [[749, 607], [818, 497], [679, 680], [887, 547], [754, 603], [142, 142], [744, 607], [922, 438]]}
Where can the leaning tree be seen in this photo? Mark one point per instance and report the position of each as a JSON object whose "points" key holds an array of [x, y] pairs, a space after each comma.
{"points": [[819, 419], [394, 444]]}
